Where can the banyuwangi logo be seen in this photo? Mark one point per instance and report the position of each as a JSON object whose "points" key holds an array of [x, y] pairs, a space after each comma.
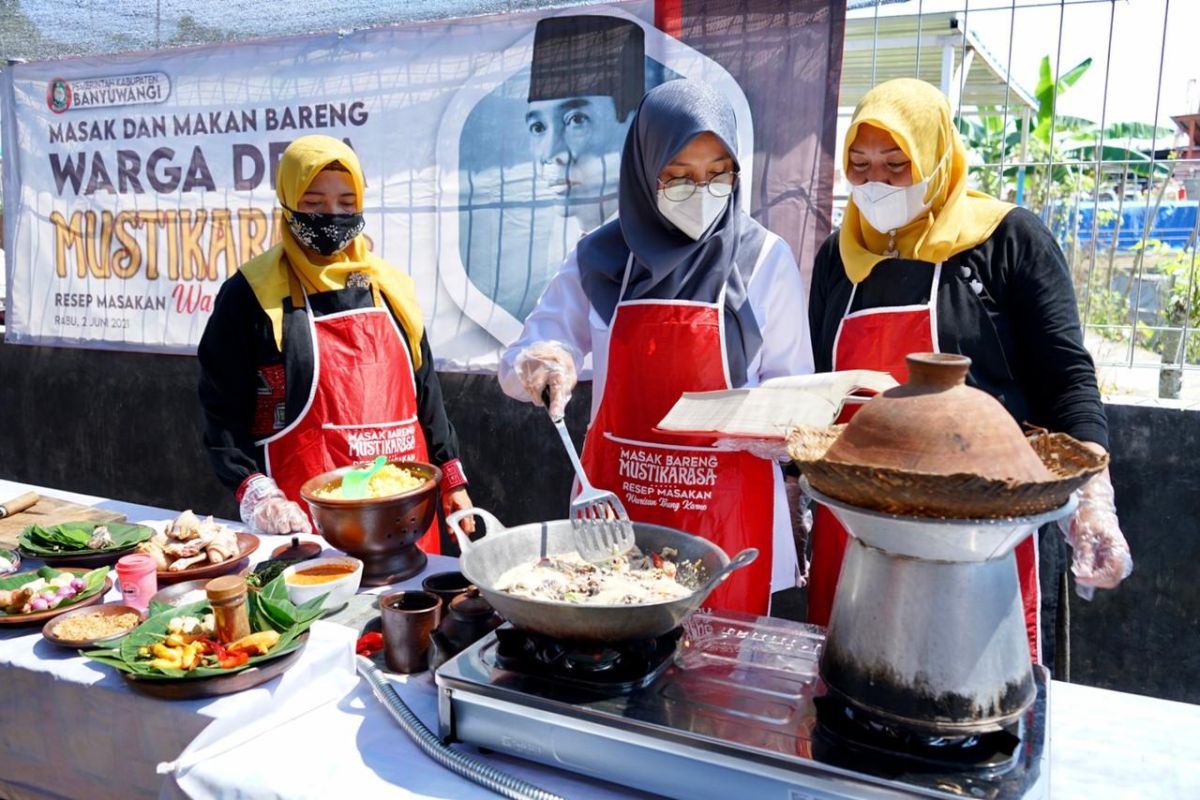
{"points": [[58, 96], [120, 90]]}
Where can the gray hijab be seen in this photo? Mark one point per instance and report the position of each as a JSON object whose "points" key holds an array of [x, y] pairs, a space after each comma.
{"points": [[667, 264]]}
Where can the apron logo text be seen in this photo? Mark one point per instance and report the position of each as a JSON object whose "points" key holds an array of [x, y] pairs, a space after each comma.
{"points": [[401, 440]]}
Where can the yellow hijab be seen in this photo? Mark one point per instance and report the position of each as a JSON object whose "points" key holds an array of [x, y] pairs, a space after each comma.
{"points": [[918, 117], [268, 273]]}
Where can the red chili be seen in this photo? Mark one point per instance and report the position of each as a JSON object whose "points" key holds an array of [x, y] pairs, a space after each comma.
{"points": [[234, 660], [657, 560], [369, 643]]}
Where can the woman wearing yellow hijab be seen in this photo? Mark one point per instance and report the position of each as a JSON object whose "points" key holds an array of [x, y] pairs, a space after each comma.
{"points": [[922, 263], [315, 355]]}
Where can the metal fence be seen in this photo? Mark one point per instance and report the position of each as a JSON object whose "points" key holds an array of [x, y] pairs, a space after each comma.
{"points": [[1120, 190]]}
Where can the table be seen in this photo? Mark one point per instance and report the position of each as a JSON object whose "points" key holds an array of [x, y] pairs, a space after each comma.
{"points": [[1103, 744]]}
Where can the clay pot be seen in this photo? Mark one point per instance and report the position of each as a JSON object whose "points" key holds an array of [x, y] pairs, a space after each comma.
{"points": [[936, 424], [470, 618]]}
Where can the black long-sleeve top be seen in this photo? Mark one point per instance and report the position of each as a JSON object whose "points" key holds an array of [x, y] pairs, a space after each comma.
{"points": [[1007, 303], [250, 390]]}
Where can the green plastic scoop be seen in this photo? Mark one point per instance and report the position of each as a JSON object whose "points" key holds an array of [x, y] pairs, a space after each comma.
{"points": [[354, 482]]}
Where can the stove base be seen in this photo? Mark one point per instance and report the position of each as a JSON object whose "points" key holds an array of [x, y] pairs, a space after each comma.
{"points": [[734, 715]]}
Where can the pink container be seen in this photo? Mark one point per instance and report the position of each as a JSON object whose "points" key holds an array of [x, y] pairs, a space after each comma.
{"points": [[139, 580]]}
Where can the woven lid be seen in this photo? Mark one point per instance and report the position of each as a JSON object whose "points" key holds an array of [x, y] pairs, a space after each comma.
{"points": [[225, 588]]}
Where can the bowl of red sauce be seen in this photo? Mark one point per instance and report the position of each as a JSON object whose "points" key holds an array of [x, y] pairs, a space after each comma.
{"points": [[337, 576]]}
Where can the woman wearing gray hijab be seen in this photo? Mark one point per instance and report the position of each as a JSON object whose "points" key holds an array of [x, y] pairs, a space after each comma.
{"points": [[683, 292]]}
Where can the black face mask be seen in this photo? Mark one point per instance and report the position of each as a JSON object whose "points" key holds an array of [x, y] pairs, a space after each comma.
{"points": [[325, 233]]}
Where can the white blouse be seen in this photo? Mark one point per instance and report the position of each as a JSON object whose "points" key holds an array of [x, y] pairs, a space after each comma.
{"points": [[777, 296]]}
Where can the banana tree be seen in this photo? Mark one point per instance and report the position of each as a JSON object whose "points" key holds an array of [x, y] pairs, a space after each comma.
{"points": [[996, 139], [1034, 173]]}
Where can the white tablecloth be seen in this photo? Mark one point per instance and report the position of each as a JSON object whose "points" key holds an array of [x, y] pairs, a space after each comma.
{"points": [[92, 737]]}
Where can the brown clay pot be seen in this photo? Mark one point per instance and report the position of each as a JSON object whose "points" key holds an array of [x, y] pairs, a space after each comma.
{"points": [[936, 424]]}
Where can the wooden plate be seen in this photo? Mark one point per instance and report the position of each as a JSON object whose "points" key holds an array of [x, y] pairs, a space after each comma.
{"points": [[34, 617], [110, 610], [195, 688], [105, 559], [86, 558], [247, 544]]}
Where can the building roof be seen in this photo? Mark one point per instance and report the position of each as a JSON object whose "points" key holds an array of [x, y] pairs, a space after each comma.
{"points": [[940, 39]]}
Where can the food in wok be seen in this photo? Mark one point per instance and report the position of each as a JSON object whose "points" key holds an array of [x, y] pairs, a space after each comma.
{"points": [[190, 542], [631, 579], [387, 481]]}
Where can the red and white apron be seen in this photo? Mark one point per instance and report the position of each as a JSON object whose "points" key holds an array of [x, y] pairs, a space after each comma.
{"points": [[362, 404], [659, 349], [879, 339]]}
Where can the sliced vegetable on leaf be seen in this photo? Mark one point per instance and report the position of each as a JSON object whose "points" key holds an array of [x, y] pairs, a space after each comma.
{"points": [[47, 588], [82, 538], [156, 649]]}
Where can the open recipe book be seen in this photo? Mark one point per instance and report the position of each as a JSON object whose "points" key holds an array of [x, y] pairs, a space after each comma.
{"points": [[770, 410]]}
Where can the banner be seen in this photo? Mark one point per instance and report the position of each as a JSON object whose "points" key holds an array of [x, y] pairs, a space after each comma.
{"points": [[135, 184]]}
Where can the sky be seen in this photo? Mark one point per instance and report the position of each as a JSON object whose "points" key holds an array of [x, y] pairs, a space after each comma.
{"points": [[1138, 27], [1132, 66]]}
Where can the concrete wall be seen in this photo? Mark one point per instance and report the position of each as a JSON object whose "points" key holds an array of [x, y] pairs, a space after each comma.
{"points": [[1145, 636], [128, 426]]}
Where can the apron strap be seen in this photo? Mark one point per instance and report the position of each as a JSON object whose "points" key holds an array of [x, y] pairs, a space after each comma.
{"points": [[933, 315], [295, 290], [625, 277]]}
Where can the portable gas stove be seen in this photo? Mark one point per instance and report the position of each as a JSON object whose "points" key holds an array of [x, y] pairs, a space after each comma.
{"points": [[731, 703]]}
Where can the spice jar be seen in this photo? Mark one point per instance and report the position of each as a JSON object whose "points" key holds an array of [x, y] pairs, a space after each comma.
{"points": [[228, 598], [137, 575]]}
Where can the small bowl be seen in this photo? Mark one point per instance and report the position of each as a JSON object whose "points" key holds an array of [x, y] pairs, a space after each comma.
{"points": [[174, 594], [446, 585], [340, 589], [14, 559], [110, 610]]}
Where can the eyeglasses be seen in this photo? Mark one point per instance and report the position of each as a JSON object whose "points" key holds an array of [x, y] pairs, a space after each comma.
{"points": [[680, 189]]}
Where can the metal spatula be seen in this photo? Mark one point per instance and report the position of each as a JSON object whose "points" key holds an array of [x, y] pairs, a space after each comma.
{"points": [[600, 525]]}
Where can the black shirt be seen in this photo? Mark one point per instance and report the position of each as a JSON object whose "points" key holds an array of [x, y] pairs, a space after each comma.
{"points": [[249, 389], [1007, 303]]}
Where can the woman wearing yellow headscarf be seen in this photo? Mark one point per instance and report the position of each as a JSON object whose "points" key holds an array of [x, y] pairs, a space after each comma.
{"points": [[315, 355], [922, 263]]}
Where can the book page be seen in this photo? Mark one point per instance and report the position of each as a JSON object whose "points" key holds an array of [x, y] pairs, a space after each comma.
{"points": [[771, 410]]}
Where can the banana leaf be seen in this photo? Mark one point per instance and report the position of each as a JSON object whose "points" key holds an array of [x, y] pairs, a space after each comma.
{"points": [[93, 582], [71, 538], [288, 619]]}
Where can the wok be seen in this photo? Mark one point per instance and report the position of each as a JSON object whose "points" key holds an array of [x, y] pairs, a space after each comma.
{"points": [[484, 561]]}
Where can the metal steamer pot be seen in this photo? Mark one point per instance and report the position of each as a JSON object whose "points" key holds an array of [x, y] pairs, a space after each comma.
{"points": [[928, 630], [485, 560]]}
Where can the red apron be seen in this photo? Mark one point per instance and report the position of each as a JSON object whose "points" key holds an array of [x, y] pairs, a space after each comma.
{"points": [[362, 404], [879, 339], [658, 350]]}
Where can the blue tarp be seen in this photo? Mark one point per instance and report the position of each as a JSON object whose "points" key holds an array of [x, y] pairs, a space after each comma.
{"points": [[1173, 224]]}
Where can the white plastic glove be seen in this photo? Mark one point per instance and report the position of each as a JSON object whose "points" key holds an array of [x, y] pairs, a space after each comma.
{"points": [[547, 365], [769, 449], [1101, 557], [266, 509]]}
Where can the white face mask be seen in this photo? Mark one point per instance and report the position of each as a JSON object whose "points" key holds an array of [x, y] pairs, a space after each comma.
{"points": [[695, 215], [886, 207]]}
